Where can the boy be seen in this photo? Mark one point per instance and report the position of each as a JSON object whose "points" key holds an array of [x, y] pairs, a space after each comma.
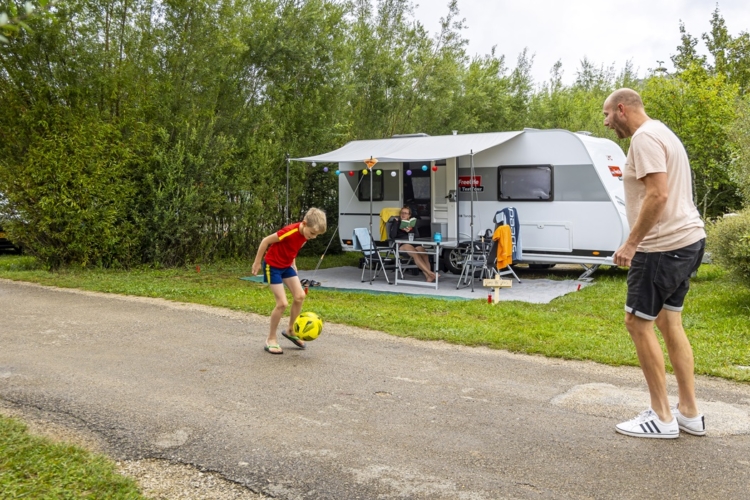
{"points": [[280, 268]]}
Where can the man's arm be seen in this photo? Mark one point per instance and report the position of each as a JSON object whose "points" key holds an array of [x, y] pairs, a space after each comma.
{"points": [[651, 210]]}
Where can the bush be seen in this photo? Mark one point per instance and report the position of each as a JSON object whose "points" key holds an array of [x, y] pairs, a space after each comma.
{"points": [[729, 244], [71, 196]]}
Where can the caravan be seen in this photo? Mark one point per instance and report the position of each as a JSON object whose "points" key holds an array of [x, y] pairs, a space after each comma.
{"points": [[566, 187]]}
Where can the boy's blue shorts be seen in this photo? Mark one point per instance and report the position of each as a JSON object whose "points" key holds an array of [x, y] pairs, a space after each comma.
{"points": [[276, 275]]}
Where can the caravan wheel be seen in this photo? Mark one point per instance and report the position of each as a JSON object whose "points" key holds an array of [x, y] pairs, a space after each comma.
{"points": [[454, 259]]}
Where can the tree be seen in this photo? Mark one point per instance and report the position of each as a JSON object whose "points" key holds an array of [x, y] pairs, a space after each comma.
{"points": [[11, 22], [739, 133], [687, 56], [699, 107]]}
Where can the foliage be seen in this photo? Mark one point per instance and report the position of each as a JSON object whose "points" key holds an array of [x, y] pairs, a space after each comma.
{"points": [[72, 197], [12, 22], [729, 244], [739, 133], [35, 467], [195, 107], [698, 107]]}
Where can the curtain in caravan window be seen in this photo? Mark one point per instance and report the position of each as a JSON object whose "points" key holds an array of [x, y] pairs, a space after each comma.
{"points": [[421, 186], [364, 187]]}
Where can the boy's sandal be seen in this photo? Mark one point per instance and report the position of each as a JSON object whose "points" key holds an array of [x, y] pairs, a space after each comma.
{"points": [[314, 283], [273, 346], [304, 282], [294, 339]]}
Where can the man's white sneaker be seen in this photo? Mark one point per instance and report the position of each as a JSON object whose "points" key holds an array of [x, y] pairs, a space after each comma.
{"points": [[648, 425], [695, 425]]}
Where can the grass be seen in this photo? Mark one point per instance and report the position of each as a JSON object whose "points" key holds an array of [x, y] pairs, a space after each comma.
{"points": [[587, 325], [35, 467]]}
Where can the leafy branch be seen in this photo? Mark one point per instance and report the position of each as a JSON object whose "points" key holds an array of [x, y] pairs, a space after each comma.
{"points": [[12, 22]]}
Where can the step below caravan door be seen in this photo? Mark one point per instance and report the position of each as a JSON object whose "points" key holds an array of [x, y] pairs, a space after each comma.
{"points": [[546, 236]]}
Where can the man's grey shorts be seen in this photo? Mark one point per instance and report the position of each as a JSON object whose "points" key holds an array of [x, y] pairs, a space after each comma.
{"points": [[661, 280]]}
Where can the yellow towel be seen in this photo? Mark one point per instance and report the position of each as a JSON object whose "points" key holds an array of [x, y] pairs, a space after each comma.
{"points": [[504, 246], [386, 214]]}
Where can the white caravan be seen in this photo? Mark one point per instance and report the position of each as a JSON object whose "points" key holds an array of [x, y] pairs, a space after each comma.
{"points": [[566, 187]]}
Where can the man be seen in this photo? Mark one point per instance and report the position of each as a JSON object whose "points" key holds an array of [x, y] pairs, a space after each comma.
{"points": [[664, 248]]}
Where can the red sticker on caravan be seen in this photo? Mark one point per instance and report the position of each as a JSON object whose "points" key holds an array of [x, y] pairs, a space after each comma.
{"points": [[615, 171], [469, 183]]}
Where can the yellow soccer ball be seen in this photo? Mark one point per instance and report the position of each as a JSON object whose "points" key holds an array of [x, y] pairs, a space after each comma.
{"points": [[308, 326]]}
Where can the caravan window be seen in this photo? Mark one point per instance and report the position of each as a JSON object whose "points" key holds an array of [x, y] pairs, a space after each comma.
{"points": [[532, 182], [364, 187]]}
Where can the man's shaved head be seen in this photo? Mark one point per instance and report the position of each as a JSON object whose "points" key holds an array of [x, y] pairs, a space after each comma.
{"points": [[628, 97], [624, 112]]}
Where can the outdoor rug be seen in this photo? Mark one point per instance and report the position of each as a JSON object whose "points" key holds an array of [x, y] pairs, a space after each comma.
{"points": [[347, 279]]}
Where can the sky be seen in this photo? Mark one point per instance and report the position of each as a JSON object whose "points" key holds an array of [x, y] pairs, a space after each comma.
{"points": [[607, 33]]}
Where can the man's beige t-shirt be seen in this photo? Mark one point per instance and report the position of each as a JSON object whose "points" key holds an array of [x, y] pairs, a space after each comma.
{"points": [[655, 148]]}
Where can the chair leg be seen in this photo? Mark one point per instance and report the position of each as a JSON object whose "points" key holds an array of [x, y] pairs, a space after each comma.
{"points": [[382, 268], [376, 266], [508, 270], [461, 276], [514, 274]]}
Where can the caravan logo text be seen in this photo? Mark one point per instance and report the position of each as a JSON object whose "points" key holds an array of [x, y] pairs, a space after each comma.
{"points": [[469, 183]]}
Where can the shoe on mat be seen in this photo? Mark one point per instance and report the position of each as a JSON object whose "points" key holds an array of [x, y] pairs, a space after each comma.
{"points": [[695, 425], [276, 349], [648, 425], [294, 339]]}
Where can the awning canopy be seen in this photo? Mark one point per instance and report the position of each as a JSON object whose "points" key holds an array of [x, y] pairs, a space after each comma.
{"points": [[405, 149]]}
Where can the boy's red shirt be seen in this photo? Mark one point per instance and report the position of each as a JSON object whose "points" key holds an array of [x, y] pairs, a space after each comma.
{"points": [[283, 253]]}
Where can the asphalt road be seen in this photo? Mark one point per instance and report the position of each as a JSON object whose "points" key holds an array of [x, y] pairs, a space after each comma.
{"points": [[359, 414]]}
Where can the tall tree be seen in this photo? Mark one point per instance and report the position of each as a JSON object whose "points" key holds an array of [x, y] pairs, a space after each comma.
{"points": [[699, 107]]}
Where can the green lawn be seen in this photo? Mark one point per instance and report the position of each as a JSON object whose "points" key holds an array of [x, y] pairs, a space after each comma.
{"points": [[35, 467], [587, 325]]}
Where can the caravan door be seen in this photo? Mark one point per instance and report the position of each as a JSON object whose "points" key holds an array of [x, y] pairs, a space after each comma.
{"points": [[417, 193], [444, 198]]}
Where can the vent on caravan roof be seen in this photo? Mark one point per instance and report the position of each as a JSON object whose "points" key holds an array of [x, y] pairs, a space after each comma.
{"points": [[584, 132], [418, 134]]}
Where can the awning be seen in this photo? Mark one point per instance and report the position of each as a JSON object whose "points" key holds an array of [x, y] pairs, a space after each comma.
{"points": [[404, 149]]}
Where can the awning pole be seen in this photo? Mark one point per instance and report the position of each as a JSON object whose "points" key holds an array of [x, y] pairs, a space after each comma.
{"points": [[286, 208], [471, 221], [372, 239]]}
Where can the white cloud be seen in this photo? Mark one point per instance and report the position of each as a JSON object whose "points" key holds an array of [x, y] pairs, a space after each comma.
{"points": [[607, 33]]}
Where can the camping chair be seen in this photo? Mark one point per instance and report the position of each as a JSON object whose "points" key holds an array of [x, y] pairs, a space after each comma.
{"points": [[505, 217], [491, 269], [385, 215], [406, 260], [375, 258], [475, 264]]}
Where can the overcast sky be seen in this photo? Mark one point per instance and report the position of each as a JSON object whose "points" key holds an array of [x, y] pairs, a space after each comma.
{"points": [[607, 32]]}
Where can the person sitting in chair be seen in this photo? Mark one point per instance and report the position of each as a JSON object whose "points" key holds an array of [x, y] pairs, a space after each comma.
{"points": [[418, 253]]}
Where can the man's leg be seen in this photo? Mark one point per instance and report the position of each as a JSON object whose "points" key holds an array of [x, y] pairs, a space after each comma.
{"points": [[681, 356], [651, 358]]}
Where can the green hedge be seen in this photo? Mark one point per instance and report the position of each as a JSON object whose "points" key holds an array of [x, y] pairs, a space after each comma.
{"points": [[729, 244]]}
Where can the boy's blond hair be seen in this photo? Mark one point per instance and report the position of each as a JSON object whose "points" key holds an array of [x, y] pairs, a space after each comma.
{"points": [[315, 219]]}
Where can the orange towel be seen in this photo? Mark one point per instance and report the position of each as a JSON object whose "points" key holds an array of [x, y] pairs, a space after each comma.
{"points": [[504, 246]]}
